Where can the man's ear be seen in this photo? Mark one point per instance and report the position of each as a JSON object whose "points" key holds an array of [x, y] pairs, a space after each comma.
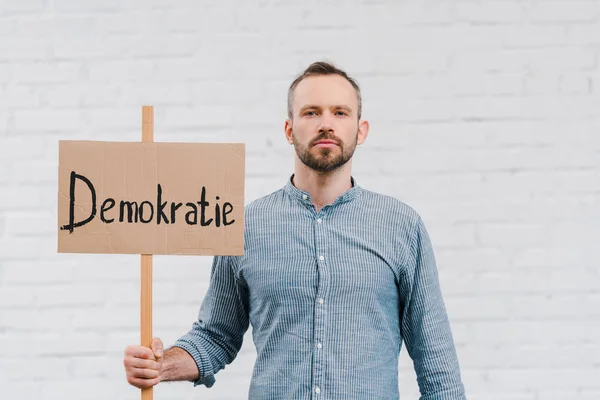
{"points": [[287, 128], [363, 131]]}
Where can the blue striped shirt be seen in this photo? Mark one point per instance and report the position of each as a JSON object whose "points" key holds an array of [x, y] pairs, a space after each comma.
{"points": [[331, 296]]}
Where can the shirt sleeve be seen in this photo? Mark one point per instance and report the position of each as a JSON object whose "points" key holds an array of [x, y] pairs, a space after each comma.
{"points": [[425, 326], [216, 337]]}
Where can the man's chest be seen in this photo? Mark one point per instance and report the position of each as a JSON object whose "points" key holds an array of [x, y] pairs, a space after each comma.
{"points": [[320, 258]]}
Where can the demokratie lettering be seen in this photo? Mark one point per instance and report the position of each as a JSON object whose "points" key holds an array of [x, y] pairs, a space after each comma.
{"points": [[146, 212]]}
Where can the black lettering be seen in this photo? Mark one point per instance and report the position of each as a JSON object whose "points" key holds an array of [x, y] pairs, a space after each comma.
{"points": [[72, 224], [160, 207], [174, 207], [131, 213], [203, 204], [193, 213], [217, 214], [225, 212], [145, 221], [103, 209]]}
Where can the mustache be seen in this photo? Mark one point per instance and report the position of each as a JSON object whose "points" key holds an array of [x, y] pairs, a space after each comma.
{"points": [[326, 136]]}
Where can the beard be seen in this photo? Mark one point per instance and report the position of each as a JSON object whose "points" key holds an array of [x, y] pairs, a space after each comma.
{"points": [[326, 159]]}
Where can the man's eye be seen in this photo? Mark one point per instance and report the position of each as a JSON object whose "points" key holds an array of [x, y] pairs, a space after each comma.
{"points": [[309, 113], [342, 113]]}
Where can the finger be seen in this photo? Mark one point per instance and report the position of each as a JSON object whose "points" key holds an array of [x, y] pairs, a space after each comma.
{"points": [[142, 373], [143, 383], [131, 362], [157, 347], [139, 352]]}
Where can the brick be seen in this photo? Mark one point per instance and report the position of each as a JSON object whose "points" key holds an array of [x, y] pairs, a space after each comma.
{"points": [[45, 120], [8, 26], [41, 369], [90, 367], [17, 273], [583, 34], [103, 319], [541, 82], [4, 123], [121, 71], [180, 45], [458, 235], [74, 6], [489, 60], [534, 36], [61, 25], [561, 59], [31, 320], [14, 97], [16, 49], [504, 84], [409, 13], [110, 268], [13, 297], [423, 86], [18, 7], [111, 118], [20, 223], [70, 296], [563, 11], [208, 116], [470, 261], [575, 84], [216, 19], [24, 148], [489, 12], [520, 235], [90, 47], [463, 308], [45, 72], [21, 197], [240, 92], [4, 73], [63, 96]]}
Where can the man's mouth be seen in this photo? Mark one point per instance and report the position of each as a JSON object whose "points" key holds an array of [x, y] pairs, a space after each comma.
{"points": [[325, 144]]}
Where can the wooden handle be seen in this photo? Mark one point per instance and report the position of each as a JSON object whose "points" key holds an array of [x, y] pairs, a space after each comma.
{"points": [[146, 292]]}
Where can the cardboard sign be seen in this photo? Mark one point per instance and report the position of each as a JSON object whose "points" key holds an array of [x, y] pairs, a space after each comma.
{"points": [[151, 198]]}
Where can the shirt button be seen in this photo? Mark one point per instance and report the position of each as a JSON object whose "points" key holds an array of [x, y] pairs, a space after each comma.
{"points": [[320, 301], [317, 390], [319, 220], [321, 258], [304, 197], [319, 345]]}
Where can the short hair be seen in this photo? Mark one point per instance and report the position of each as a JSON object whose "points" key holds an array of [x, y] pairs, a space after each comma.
{"points": [[322, 68]]}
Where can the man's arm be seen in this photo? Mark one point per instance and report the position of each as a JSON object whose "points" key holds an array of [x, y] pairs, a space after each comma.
{"points": [[178, 365], [424, 324], [216, 337]]}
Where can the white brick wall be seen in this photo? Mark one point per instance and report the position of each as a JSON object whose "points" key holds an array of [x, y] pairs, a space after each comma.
{"points": [[485, 118]]}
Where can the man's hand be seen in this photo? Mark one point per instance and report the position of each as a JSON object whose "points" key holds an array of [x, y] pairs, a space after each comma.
{"points": [[143, 365]]}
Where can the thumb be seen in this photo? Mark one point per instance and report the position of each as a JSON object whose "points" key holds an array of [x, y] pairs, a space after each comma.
{"points": [[157, 347]]}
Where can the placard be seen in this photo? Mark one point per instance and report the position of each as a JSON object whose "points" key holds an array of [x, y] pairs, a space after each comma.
{"points": [[151, 198]]}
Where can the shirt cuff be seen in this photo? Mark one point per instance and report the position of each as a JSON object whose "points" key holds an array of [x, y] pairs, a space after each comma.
{"points": [[200, 356], [450, 394]]}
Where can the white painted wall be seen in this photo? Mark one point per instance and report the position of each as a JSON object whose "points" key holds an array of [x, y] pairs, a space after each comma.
{"points": [[485, 117]]}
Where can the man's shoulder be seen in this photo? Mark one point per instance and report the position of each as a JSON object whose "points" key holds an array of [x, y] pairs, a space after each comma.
{"points": [[264, 203], [390, 206]]}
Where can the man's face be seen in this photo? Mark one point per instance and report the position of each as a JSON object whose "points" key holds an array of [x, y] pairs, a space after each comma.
{"points": [[325, 129]]}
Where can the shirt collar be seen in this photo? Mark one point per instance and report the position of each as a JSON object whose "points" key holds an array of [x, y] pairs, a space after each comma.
{"points": [[304, 197]]}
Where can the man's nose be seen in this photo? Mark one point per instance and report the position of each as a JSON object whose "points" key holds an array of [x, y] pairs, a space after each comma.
{"points": [[325, 124]]}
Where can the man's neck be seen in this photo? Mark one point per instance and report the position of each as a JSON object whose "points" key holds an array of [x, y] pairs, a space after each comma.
{"points": [[323, 188]]}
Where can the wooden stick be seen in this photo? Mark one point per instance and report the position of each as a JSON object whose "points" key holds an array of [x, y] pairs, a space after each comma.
{"points": [[146, 292]]}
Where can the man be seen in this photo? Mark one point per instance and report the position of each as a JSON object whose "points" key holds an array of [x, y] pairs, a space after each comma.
{"points": [[333, 278]]}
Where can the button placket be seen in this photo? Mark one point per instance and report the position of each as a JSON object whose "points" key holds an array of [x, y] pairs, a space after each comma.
{"points": [[320, 310]]}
